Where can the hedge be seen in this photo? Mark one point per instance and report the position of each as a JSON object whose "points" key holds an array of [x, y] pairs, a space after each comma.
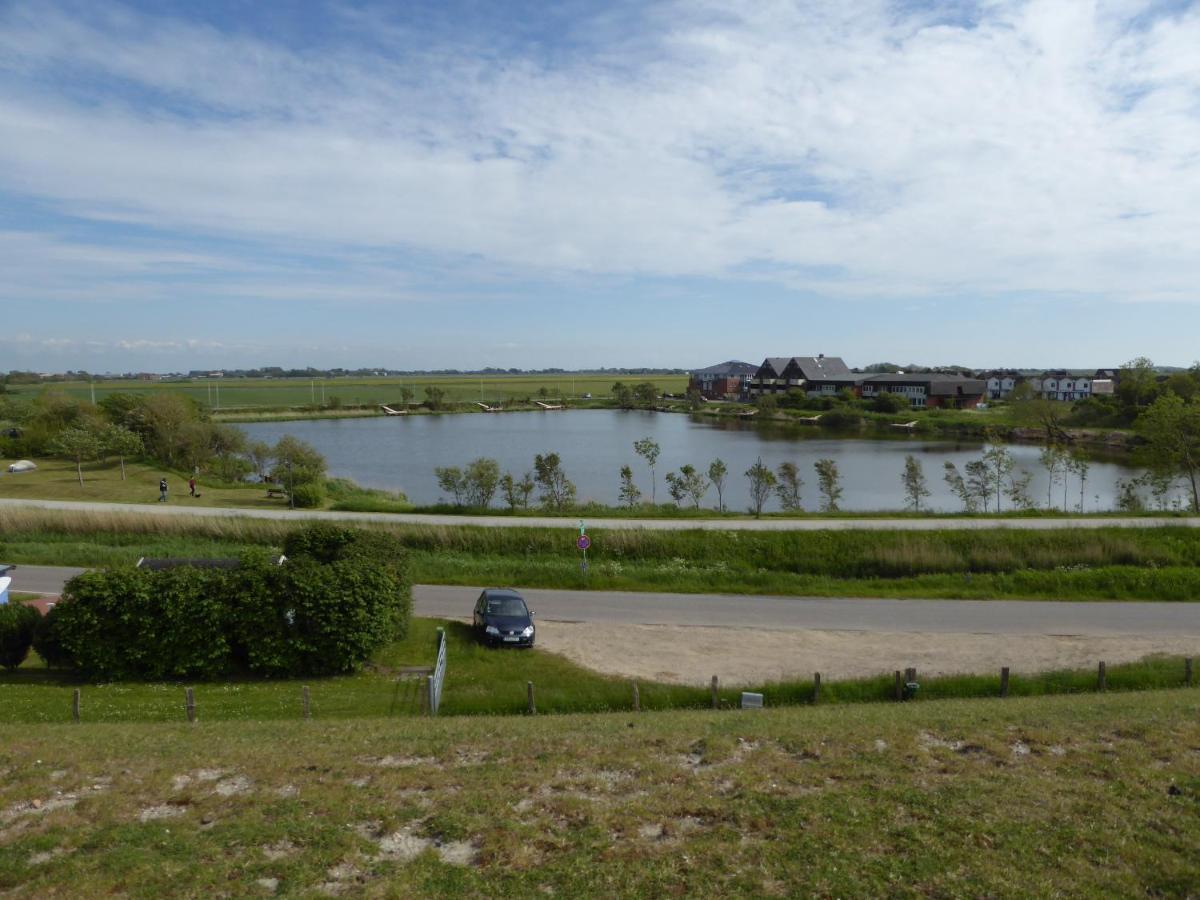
{"points": [[17, 625], [341, 594]]}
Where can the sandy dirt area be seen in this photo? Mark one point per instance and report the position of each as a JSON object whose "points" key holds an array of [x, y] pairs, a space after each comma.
{"points": [[692, 655]]}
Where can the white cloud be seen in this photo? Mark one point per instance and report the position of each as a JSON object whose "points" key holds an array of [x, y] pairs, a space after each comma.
{"points": [[851, 149]]}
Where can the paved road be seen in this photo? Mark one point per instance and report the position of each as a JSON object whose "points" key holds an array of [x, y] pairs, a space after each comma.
{"points": [[946, 524], [818, 613]]}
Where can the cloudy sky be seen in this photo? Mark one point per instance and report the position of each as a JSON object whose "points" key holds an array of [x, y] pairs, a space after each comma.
{"points": [[486, 182]]}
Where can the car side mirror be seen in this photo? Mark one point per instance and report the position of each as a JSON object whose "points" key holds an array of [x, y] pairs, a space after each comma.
{"points": [[532, 614]]}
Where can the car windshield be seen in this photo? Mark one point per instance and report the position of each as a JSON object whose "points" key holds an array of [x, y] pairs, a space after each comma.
{"points": [[506, 606]]}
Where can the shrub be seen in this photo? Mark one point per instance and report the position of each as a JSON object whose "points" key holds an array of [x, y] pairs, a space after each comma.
{"points": [[308, 495], [18, 623], [47, 643], [135, 623]]}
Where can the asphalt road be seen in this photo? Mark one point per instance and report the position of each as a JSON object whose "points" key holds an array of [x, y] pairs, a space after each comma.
{"points": [[788, 613], [913, 524]]}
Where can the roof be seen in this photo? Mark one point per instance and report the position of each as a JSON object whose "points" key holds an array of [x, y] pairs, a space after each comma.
{"points": [[776, 364], [730, 367], [823, 368]]}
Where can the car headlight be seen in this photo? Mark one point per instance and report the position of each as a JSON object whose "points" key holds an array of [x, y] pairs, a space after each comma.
{"points": [[528, 632], [492, 629]]}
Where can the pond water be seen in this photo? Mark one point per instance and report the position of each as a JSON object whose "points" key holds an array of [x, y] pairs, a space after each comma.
{"points": [[400, 454]]}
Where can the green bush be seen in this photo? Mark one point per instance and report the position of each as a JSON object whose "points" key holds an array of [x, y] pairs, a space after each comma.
{"points": [[127, 623], [308, 495], [47, 643], [18, 623], [341, 595]]}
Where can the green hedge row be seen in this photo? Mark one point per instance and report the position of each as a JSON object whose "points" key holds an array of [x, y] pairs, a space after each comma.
{"points": [[18, 624], [341, 595]]}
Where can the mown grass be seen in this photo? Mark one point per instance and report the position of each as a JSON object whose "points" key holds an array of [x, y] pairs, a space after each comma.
{"points": [[1101, 564], [1079, 796], [484, 681]]}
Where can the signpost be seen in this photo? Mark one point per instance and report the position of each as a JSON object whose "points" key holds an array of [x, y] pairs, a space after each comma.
{"points": [[583, 542]]}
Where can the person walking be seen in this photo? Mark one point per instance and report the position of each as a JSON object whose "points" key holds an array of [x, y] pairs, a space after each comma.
{"points": [[192, 486], [162, 490]]}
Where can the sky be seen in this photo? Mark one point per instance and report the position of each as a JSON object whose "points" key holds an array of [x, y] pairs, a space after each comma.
{"points": [[471, 183]]}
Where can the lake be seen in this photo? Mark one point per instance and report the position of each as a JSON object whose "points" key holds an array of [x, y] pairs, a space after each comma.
{"points": [[400, 454]]}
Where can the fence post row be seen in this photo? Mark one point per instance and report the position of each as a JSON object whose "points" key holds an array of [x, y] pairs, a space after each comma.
{"points": [[1187, 671], [75, 706], [716, 700], [532, 705], [1102, 677], [1004, 681], [637, 698], [189, 697], [434, 682], [816, 687], [305, 701]]}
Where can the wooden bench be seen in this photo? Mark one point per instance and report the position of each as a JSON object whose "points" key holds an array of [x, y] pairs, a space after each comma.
{"points": [[276, 492]]}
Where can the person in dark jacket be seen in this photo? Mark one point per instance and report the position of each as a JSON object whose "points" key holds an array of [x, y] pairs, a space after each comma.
{"points": [[162, 490]]}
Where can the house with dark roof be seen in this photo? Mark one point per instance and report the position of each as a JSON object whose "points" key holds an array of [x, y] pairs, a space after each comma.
{"points": [[927, 389], [815, 375], [724, 381]]}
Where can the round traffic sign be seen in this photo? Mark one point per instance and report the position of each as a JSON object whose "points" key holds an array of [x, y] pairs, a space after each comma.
{"points": [[583, 542]]}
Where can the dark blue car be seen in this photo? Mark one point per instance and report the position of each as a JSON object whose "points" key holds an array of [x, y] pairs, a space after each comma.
{"points": [[503, 620]]}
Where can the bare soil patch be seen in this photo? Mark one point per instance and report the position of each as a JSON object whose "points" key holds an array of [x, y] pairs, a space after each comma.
{"points": [[692, 655]]}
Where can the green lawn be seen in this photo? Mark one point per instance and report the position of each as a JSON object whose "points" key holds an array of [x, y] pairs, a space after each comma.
{"points": [[1069, 796]]}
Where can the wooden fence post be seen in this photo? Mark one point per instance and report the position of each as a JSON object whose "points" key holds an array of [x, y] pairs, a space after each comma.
{"points": [[1187, 671], [637, 698], [899, 685], [1004, 681], [307, 705], [716, 700], [816, 687], [189, 697], [1102, 677], [532, 710], [75, 706]]}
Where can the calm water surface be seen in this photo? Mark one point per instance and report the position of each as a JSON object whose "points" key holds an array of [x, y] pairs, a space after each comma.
{"points": [[400, 454]]}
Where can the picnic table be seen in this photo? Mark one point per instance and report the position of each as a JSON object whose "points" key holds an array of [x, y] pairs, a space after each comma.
{"points": [[276, 491]]}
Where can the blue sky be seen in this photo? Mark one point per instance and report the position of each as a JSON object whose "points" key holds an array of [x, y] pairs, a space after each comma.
{"points": [[191, 185]]}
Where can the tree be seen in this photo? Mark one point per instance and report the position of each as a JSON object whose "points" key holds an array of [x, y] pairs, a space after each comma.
{"points": [[557, 490], [1171, 428], [762, 482], [1128, 498], [999, 463], [960, 487], [1137, 385], [629, 493], [979, 481], [1080, 467], [1048, 415], [767, 403], [623, 394], [121, 442], [915, 486], [1054, 460], [516, 492], [788, 486], [645, 393], [451, 480], [480, 480], [296, 463], [435, 397], [259, 454], [1018, 490], [406, 395], [78, 444], [717, 471], [829, 484], [649, 450], [887, 402], [688, 483]]}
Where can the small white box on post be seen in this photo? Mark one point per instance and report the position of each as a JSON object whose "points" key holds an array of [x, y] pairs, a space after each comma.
{"points": [[751, 700]]}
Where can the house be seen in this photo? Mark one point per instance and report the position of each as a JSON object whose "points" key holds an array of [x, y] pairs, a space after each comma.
{"points": [[1001, 382], [815, 375], [1067, 385], [724, 381], [927, 389]]}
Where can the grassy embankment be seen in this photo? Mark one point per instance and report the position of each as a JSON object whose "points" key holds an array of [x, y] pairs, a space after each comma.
{"points": [[1080, 796], [1097, 564]]}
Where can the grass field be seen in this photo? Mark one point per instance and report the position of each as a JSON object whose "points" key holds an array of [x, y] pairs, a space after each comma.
{"points": [[242, 393], [1070, 796]]}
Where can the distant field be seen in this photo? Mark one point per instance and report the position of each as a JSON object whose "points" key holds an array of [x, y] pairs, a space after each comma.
{"points": [[290, 392]]}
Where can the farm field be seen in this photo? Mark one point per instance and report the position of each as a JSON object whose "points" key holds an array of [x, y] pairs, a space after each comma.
{"points": [[261, 393], [1083, 795]]}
